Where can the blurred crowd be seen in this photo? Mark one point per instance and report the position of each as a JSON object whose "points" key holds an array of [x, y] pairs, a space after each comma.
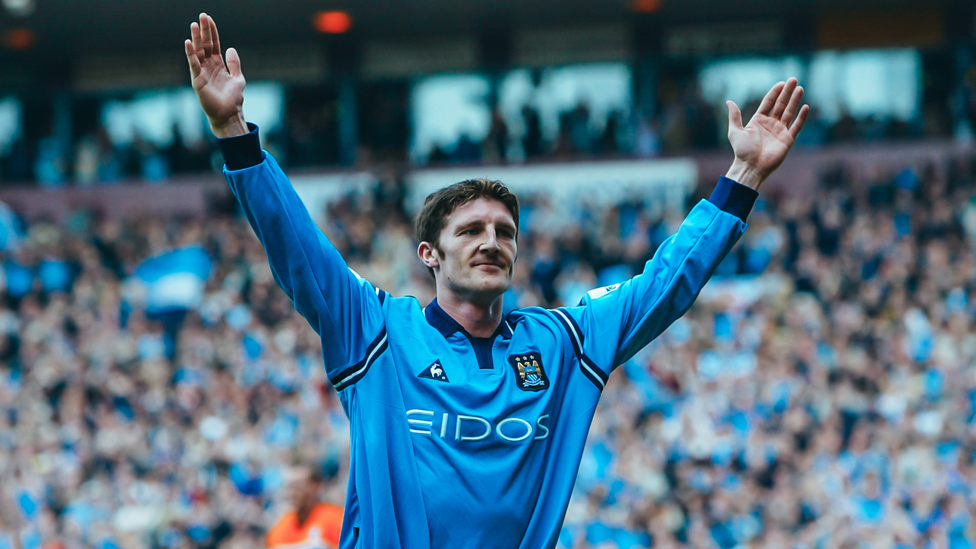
{"points": [[819, 395], [95, 159], [681, 121], [685, 122]]}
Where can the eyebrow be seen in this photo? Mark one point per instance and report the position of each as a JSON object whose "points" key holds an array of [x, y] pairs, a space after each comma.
{"points": [[507, 225], [469, 225], [480, 223]]}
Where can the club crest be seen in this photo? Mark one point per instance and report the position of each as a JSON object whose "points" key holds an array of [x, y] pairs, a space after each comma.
{"points": [[529, 373]]}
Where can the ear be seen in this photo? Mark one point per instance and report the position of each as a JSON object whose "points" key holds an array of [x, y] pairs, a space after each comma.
{"points": [[428, 254]]}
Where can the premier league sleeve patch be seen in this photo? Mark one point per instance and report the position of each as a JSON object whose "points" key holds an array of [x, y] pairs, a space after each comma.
{"points": [[529, 373]]}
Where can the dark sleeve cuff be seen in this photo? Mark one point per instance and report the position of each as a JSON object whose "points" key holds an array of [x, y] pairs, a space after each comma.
{"points": [[733, 198], [242, 151]]}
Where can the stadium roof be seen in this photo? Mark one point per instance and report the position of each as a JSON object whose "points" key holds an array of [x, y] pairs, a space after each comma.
{"points": [[127, 25]]}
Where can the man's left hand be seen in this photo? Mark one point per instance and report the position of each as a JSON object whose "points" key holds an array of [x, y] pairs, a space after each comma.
{"points": [[762, 145]]}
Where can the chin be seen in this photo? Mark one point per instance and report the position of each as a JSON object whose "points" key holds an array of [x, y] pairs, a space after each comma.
{"points": [[499, 284], [496, 290], [492, 288]]}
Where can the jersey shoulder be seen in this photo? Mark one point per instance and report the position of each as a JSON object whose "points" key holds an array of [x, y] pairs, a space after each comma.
{"points": [[561, 320], [538, 314], [401, 310]]}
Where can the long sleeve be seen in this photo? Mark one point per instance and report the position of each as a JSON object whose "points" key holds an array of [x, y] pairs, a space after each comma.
{"points": [[344, 309], [612, 324]]}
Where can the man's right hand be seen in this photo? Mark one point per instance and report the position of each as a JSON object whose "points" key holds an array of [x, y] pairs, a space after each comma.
{"points": [[219, 87]]}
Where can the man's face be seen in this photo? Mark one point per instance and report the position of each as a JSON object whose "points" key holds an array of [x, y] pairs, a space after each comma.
{"points": [[302, 491], [477, 251]]}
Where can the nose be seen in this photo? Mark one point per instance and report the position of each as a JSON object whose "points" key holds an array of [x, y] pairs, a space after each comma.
{"points": [[490, 243]]}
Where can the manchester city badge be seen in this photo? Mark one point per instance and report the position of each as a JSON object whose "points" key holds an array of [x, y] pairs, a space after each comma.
{"points": [[529, 373]]}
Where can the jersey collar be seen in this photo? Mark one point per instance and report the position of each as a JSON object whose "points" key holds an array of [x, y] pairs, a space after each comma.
{"points": [[447, 326]]}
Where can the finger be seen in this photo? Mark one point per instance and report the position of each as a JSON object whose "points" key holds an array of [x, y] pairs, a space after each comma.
{"points": [[197, 40], [795, 99], [233, 62], [213, 33], [735, 115], [767, 103], [205, 32], [784, 99], [800, 121], [192, 59]]}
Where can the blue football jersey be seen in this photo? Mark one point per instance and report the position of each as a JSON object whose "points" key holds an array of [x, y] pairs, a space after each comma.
{"points": [[457, 441]]}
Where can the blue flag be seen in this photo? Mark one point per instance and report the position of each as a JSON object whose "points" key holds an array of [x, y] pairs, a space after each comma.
{"points": [[174, 280], [11, 229]]}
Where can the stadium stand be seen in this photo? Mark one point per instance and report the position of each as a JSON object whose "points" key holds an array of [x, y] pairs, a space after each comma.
{"points": [[821, 391]]}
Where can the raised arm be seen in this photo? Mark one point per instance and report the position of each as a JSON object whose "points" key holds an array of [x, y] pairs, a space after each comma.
{"points": [[344, 309], [219, 86], [611, 324]]}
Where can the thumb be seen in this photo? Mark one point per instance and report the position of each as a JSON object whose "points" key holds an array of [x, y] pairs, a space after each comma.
{"points": [[233, 62], [735, 116]]}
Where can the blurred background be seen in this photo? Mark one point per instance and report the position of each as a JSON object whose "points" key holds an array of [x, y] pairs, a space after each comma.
{"points": [[155, 385]]}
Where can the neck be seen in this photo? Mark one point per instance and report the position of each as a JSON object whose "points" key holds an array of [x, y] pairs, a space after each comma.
{"points": [[303, 511], [479, 320]]}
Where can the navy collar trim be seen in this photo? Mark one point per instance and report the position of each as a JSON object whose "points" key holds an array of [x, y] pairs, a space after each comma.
{"points": [[446, 325]]}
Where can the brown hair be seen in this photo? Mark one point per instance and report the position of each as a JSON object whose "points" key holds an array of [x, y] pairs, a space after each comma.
{"points": [[440, 204]]}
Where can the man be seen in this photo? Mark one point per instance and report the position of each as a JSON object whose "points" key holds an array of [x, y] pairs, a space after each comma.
{"points": [[467, 426], [310, 524]]}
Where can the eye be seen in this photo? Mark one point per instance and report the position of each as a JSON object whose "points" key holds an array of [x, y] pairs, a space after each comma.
{"points": [[506, 233], [471, 231]]}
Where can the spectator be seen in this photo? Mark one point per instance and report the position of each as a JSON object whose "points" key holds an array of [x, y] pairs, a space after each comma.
{"points": [[310, 522]]}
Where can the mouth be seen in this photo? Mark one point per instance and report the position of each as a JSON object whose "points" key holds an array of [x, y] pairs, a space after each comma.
{"points": [[490, 266]]}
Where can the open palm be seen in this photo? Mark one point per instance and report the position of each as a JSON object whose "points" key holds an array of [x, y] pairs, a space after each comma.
{"points": [[763, 144], [219, 86]]}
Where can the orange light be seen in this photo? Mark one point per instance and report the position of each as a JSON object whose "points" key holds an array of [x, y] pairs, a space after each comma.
{"points": [[19, 39], [646, 6], [332, 22]]}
